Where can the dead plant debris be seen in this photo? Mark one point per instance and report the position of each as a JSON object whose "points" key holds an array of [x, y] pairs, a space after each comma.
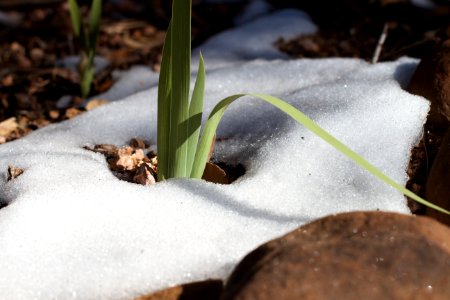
{"points": [[14, 172], [130, 163], [137, 163]]}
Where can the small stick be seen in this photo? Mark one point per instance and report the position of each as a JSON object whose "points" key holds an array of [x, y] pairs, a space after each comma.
{"points": [[381, 40]]}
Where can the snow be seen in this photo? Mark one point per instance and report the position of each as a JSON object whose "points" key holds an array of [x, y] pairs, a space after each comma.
{"points": [[74, 231], [71, 62], [254, 9], [426, 4]]}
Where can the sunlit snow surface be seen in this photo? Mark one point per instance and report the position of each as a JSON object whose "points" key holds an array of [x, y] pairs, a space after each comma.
{"points": [[74, 231]]}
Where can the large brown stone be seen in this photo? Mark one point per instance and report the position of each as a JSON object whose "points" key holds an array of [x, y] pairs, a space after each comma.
{"points": [[432, 81], [208, 290], [437, 189], [362, 255]]}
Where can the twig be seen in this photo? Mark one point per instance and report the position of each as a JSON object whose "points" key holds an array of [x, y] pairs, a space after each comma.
{"points": [[381, 40]]}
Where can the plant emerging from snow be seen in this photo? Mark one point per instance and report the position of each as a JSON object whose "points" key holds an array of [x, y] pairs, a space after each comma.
{"points": [[88, 36], [182, 152]]}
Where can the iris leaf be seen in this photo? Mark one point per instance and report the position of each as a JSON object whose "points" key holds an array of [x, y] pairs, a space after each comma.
{"points": [[164, 99], [195, 114], [218, 111]]}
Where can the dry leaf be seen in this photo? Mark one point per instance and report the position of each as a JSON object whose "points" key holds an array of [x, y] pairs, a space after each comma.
{"points": [[213, 173], [14, 172], [8, 126], [144, 175], [130, 163], [106, 149], [129, 159]]}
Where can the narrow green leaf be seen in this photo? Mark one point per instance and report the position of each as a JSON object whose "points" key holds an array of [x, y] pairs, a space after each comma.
{"points": [[209, 131], [94, 23], [195, 114], [220, 108], [181, 59], [75, 17], [164, 99]]}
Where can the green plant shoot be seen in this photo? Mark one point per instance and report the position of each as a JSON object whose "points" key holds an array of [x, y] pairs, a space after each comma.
{"points": [[182, 152], [88, 36]]}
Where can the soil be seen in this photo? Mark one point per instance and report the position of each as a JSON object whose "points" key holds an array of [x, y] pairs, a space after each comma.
{"points": [[38, 34]]}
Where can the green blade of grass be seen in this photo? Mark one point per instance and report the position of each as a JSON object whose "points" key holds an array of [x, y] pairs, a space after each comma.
{"points": [[77, 25], [94, 23], [164, 99], [181, 58], [87, 76], [195, 114], [218, 111], [75, 17]]}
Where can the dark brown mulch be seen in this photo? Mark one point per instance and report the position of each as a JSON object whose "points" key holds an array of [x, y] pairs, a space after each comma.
{"points": [[352, 28], [31, 82]]}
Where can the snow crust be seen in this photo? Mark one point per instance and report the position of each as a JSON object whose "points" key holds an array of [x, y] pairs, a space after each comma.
{"points": [[74, 231]]}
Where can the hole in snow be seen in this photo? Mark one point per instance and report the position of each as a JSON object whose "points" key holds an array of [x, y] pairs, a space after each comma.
{"points": [[3, 203], [137, 163]]}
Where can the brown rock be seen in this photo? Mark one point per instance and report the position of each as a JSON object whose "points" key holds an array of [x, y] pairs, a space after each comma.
{"points": [[437, 189], [432, 81], [361, 255], [208, 290]]}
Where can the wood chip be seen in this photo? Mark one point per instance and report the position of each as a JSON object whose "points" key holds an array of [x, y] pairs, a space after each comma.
{"points": [[95, 103], [8, 126], [54, 114], [8, 80], [72, 112]]}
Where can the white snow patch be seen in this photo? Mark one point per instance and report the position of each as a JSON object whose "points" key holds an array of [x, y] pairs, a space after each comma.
{"points": [[71, 62], [426, 4], [253, 10], [74, 231]]}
